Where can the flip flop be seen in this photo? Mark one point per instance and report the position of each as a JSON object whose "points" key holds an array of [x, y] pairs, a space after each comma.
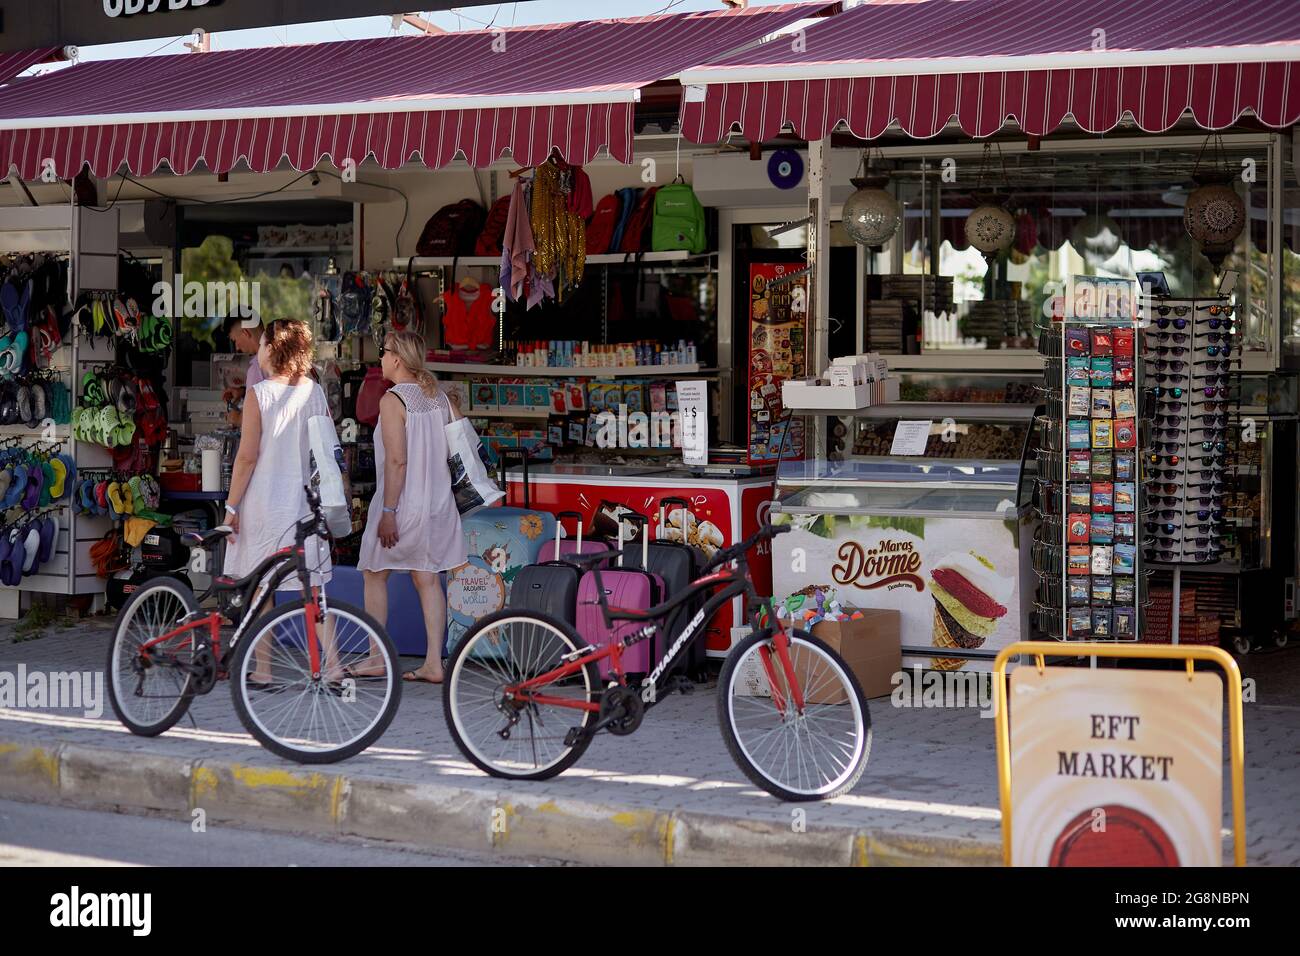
{"points": [[49, 533], [31, 547]]}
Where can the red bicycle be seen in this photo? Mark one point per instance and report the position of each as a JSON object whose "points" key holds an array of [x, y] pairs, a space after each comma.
{"points": [[313, 680], [524, 696]]}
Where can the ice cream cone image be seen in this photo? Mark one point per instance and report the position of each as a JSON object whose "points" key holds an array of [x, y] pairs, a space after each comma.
{"points": [[969, 600]]}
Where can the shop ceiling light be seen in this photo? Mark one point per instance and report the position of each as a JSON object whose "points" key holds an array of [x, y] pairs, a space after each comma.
{"points": [[871, 215]]}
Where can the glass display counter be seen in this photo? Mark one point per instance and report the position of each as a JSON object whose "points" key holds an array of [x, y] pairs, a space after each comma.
{"points": [[945, 542]]}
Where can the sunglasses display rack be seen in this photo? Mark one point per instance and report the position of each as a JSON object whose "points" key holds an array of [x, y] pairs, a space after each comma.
{"points": [[1087, 553], [89, 240], [1191, 352]]}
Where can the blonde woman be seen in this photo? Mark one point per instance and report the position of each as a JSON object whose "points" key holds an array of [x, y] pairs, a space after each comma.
{"points": [[413, 524]]}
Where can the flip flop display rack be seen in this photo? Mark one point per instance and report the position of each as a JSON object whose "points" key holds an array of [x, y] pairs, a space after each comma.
{"points": [[51, 260]]}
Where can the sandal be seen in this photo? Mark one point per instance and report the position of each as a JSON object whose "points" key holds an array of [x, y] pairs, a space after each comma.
{"points": [[414, 677]]}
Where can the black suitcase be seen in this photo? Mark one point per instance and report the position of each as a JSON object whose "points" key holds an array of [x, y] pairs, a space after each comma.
{"points": [[678, 564], [550, 587]]}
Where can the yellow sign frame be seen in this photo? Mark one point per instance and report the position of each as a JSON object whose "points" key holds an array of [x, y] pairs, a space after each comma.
{"points": [[1040, 650]]}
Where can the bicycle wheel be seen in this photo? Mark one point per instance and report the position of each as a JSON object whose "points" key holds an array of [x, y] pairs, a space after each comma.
{"points": [[151, 689], [815, 754], [511, 738], [316, 719]]}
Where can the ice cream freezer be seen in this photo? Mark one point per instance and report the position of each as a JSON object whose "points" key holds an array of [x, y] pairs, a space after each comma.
{"points": [[721, 510], [945, 543]]}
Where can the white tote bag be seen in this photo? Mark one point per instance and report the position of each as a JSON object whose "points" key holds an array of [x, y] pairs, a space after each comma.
{"points": [[467, 460]]}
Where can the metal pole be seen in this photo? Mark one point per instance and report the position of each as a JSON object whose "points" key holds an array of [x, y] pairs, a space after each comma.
{"points": [[819, 273]]}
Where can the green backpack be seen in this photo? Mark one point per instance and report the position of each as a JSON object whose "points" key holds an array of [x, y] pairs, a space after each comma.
{"points": [[678, 220]]}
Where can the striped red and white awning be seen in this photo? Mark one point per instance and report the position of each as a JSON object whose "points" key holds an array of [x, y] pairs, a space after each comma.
{"points": [[525, 90], [918, 66], [15, 62]]}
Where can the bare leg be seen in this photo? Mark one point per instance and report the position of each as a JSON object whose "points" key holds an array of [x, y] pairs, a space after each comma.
{"points": [[434, 604], [376, 598]]}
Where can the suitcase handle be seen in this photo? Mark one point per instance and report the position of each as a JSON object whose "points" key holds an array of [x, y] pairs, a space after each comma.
{"points": [[635, 517], [505, 454], [559, 520], [663, 513]]}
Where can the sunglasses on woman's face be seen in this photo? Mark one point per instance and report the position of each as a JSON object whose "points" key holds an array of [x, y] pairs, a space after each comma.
{"points": [[382, 350], [1215, 309]]}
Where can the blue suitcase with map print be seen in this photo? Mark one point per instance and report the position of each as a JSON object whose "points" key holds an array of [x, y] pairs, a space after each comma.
{"points": [[499, 542]]}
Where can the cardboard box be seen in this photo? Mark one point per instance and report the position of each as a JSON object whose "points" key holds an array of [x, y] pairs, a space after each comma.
{"points": [[870, 646]]}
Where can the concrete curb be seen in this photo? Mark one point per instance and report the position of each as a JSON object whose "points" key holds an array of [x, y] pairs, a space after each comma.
{"points": [[514, 823]]}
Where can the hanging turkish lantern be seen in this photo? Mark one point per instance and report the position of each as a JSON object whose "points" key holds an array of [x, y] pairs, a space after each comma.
{"points": [[1214, 216], [1096, 237], [990, 228], [871, 215]]}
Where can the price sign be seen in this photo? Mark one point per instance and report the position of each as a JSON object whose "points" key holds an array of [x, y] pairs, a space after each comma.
{"points": [[910, 437], [693, 407]]}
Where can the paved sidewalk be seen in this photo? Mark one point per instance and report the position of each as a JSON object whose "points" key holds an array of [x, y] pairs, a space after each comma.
{"points": [[929, 793]]}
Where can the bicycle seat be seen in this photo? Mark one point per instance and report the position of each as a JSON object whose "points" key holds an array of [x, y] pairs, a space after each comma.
{"points": [[205, 539]]}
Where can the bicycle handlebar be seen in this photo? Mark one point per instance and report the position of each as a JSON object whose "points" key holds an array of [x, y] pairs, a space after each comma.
{"points": [[727, 555]]}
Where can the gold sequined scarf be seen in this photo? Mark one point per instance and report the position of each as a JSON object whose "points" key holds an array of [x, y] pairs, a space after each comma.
{"points": [[559, 236]]}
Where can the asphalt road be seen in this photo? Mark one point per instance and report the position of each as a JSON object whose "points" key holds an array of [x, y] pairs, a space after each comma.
{"points": [[38, 835]]}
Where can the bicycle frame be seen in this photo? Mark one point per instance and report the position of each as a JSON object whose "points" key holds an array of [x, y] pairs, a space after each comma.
{"points": [[732, 584], [256, 591]]}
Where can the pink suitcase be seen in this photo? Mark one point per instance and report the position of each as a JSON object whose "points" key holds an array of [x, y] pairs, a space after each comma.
{"points": [[558, 549], [624, 588]]}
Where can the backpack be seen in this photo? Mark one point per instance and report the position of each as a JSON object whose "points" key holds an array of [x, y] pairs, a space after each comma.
{"points": [[626, 203], [452, 230], [636, 234], [494, 229], [600, 227], [678, 220]]}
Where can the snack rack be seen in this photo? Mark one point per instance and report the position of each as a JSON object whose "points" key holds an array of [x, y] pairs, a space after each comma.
{"points": [[1093, 440], [1191, 352]]}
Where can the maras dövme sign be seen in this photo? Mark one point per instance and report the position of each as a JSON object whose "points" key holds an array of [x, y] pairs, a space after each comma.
{"points": [[129, 8], [889, 564]]}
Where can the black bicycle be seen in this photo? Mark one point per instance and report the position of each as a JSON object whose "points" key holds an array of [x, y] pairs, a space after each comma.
{"points": [[524, 696], [313, 680]]}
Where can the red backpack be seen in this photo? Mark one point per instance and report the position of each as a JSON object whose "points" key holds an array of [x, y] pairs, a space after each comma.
{"points": [[636, 236], [494, 229], [452, 230], [600, 227]]}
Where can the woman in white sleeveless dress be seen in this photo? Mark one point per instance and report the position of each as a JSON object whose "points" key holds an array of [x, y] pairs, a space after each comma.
{"points": [[273, 464], [413, 524]]}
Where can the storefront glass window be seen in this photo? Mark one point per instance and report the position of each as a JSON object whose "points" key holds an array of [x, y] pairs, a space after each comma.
{"points": [[1095, 211]]}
